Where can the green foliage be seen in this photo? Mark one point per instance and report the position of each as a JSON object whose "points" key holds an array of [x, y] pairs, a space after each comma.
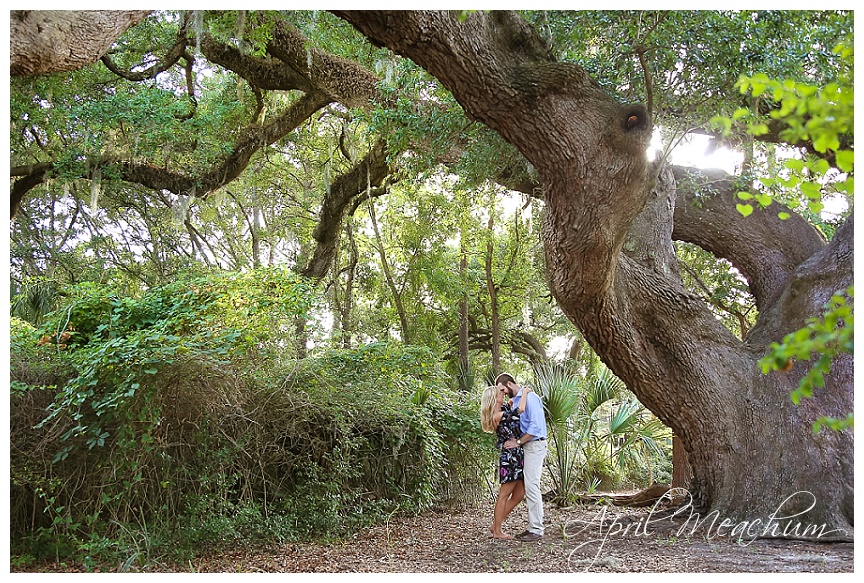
{"points": [[31, 362], [560, 394], [599, 433], [395, 413], [821, 115], [824, 338], [36, 297], [720, 285], [182, 426], [693, 57], [118, 344]]}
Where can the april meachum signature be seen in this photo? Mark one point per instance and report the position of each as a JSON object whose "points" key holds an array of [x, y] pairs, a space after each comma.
{"points": [[780, 523]]}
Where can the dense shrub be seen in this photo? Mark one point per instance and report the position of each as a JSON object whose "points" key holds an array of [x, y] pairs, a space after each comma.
{"points": [[153, 425]]}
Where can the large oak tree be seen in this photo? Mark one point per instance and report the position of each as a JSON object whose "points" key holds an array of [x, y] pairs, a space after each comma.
{"points": [[608, 238], [610, 220]]}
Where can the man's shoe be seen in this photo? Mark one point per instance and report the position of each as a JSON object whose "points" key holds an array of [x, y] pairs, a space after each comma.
{"points": [[529, 537]]}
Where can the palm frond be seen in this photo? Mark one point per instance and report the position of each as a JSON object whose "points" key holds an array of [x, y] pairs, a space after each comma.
{"points": [[603, 386], [560, 392], [626, 417]]}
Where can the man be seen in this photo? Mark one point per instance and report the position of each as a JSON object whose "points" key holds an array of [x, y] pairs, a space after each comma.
{"points": [[533, 442]]}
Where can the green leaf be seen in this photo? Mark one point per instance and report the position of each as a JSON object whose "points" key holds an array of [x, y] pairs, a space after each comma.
{"points": [[845, 160], [783, 216], [820, 166], [847, 186], [811, 190], [794, 164], [764, 200], [758, 129], [826, 142], [758, 83], [723, 123], [745, 209]]}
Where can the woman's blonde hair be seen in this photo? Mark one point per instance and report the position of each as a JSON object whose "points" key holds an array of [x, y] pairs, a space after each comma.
{"points": [[488, 403]]}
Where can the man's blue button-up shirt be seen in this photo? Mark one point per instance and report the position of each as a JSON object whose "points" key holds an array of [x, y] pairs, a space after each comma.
{"points": [[533, 420]]}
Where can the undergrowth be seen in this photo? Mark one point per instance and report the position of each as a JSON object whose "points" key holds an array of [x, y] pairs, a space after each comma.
{"points": [[152, 428]]}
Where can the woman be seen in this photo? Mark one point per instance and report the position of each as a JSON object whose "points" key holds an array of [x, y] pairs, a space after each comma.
{"points": [[498, 417]]}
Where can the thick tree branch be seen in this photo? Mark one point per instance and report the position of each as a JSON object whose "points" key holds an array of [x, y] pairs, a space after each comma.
{"points": [[343, 80], [200, 185], [368, 174], [170, 59], [764, 248], [31, 179], [55, 41], [808, 288], [268, 74]]}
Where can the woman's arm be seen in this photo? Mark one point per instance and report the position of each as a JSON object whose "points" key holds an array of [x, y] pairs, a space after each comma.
{"points": [[524, 400], [511, 443]]}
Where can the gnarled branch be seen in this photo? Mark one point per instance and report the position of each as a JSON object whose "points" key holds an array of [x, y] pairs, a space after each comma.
{"points": [[764, 248]]}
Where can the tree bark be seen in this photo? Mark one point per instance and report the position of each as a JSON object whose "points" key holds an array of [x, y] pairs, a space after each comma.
{"points": [[611, 266], [55, 41], [348, 302]]}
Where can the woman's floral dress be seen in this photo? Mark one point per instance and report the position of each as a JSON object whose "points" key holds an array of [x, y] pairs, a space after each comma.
{"points": [[512, 460]]}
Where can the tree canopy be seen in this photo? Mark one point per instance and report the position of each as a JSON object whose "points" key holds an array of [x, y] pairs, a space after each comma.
{"points": [[231, 140]]}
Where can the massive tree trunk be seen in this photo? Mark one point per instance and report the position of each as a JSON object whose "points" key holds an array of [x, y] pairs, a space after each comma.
{"points": [[611, 266]]}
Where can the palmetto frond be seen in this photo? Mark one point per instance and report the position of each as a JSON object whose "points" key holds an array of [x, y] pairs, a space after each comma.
{"points": [[560, 392], [603, 386]]}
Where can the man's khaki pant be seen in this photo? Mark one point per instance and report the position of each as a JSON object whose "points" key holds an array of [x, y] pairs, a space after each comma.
{"points": [[535, 453]]}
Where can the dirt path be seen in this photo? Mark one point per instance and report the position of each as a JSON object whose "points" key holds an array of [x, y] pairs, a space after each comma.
{"points": [[459, 541]]}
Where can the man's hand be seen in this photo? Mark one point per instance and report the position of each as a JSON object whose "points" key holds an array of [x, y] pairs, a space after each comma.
{"points": [[510, 444]]}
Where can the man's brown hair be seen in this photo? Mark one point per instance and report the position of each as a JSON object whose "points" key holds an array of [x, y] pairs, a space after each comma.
{"points": [[505, 378]]}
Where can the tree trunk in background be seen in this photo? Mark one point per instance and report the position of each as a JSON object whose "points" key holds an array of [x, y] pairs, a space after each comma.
{"points": [[493, 304], [464, 374], [681, 471], [388, 276], [301, 337], [348, 300], [611, 266], [255, 230]]}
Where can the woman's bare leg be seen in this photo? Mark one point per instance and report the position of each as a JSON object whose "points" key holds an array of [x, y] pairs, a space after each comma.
{"points": [[500, 513], [516, 496]]}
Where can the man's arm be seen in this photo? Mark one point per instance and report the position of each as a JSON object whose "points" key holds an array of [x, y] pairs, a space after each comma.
{"points": [[511, 443]]}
